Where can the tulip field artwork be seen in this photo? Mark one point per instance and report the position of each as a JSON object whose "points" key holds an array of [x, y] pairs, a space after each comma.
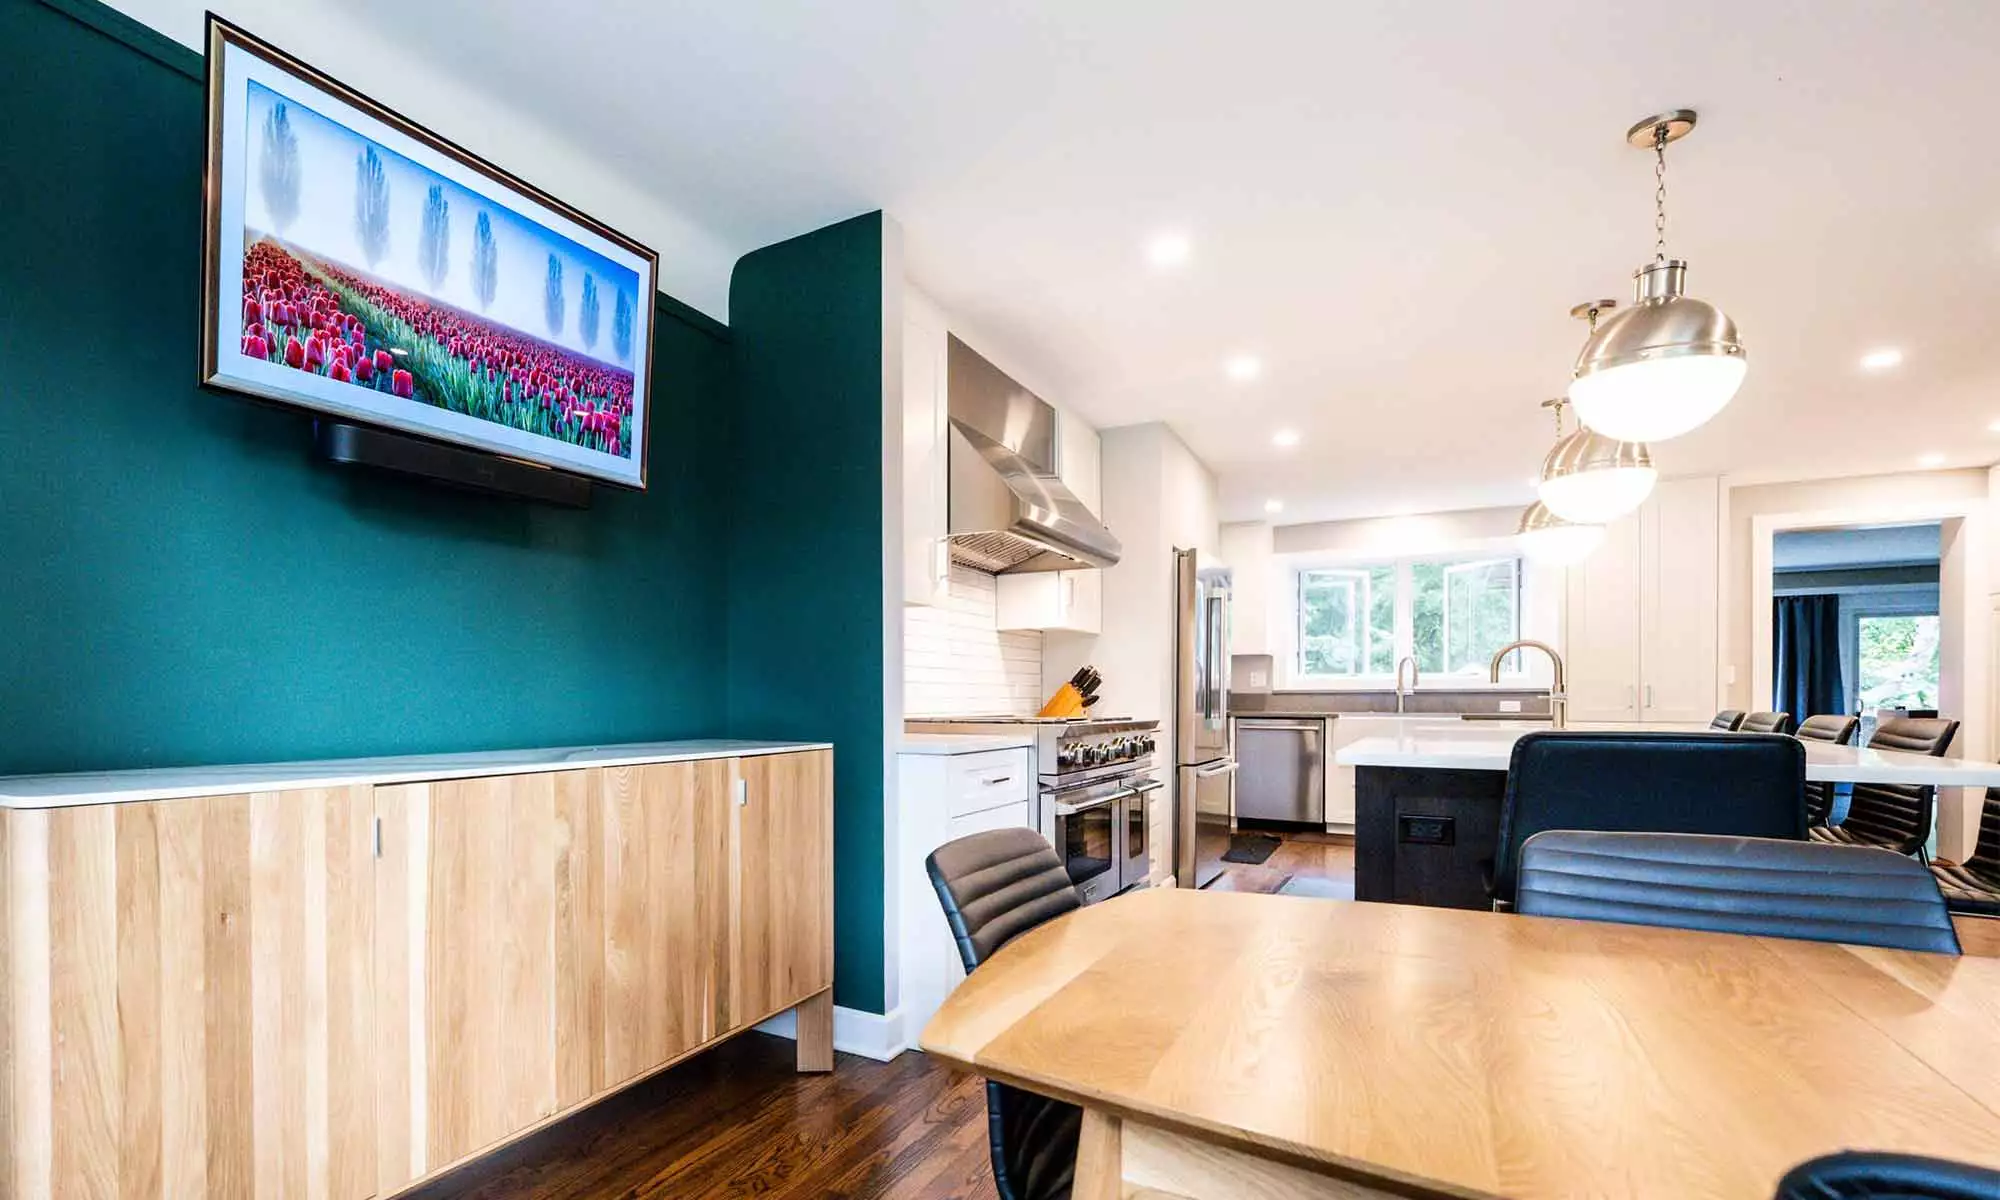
{"points": [[365, 272]]}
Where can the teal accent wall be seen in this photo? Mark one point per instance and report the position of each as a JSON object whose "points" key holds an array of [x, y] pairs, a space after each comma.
{"points": [[181, 582], [805, 556]]}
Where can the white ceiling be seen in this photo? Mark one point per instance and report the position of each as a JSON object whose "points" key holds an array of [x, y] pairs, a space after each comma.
{"points": [[1394, 204]]}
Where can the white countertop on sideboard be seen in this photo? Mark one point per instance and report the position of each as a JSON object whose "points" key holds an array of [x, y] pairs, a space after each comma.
{"points": [[1488, 746], [171, 783], [963, 743]]}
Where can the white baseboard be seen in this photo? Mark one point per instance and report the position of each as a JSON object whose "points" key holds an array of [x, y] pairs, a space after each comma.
{"points": [[855, 1031]]}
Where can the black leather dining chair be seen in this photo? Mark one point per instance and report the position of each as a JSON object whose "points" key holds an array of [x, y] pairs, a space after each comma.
{"points": [[1759, 886], [1728, 720], [1766, 722], [1973, 886], [1824, 728], [1895, 816], [1741, 784], [996, 886], [1855, 1175]]}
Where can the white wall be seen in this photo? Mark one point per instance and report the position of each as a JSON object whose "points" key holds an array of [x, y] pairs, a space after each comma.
{"points": [[694, 262], [956, 664], [1881, 493]]}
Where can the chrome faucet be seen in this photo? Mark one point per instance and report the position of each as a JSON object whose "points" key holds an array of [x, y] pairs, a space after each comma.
{"points": [[1558, 690], [1415, 678]]}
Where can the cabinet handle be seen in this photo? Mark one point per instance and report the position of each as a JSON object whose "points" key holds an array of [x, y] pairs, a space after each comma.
{"points": [[997, 780], [378, 837], [1649, 695], [742, 792]]}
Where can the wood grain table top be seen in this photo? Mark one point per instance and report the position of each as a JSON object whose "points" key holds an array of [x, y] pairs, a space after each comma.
{"points": [[1439, 1051]]}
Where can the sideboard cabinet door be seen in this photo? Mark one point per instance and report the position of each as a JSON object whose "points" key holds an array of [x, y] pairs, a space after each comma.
{"points": [[187, 1003], [783, 945]]}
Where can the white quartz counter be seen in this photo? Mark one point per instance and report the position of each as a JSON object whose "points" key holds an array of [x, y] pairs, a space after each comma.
{"points": [[963, 743], [1488, 746], [124, 787]]}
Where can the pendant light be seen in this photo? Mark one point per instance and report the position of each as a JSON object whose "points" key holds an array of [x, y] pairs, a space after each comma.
{"points": [[1670, 362], [1593, 479], [1547, 538]]}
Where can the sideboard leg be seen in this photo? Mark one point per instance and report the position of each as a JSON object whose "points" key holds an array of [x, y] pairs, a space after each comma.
{"points": [[815, 1021]]}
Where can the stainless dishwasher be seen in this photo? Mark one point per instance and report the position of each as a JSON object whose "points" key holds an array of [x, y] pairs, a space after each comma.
{"points": [[1281, 769]]}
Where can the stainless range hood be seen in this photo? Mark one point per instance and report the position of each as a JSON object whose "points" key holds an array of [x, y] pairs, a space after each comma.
{"points": [[1007, 511]]}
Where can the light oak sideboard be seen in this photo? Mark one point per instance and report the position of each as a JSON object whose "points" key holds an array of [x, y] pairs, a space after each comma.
{"points": [[342, 990]]}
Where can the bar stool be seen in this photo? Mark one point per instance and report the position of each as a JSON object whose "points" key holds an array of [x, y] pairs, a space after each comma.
{"points": [[1973, 886], [1892, 815], [1839, 731], [1766, 722]]}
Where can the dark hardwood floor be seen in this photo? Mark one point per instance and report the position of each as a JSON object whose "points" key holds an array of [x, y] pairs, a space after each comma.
{"points": [[738, 1121]]}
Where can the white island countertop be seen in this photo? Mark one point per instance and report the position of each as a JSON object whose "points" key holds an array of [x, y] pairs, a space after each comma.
{"points": [[1489, 745], [173, 783]]}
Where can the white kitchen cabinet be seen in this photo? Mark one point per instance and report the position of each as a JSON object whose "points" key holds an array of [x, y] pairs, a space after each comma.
{"points": [[926, 553], [935, 805], [1247, 550], [1642, 611], [1078, 463], [1066, 600], [1603, 628]]}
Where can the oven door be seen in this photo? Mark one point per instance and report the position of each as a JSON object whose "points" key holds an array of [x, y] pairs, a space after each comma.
{"points": [[1135, 866], [1089, 833]]}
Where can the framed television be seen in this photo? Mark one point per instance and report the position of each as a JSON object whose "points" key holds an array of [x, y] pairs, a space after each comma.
{"points": [[365, 268]]}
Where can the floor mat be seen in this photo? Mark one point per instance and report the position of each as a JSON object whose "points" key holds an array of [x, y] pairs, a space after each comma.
{"points": [[1251, 848]]}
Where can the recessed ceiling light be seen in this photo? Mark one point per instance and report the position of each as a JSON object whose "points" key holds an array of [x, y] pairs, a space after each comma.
{"points": [[1285, 439], [1881, 360], [1930, 460], [1244, 367], [1274, 506], [1169, 250]]}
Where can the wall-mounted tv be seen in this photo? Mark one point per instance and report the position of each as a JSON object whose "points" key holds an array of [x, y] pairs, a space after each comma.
{"points": [[363, 267]]}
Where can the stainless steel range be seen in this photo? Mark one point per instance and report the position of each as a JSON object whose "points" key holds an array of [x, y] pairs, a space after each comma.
{"points": [[1096, 789]]}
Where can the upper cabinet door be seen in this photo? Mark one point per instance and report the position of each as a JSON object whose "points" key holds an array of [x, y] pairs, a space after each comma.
{"points": [[1603, 628], [190, 998], [1678, 592], [666, 922], [1078, 461], [783, 867], [926, 554]]}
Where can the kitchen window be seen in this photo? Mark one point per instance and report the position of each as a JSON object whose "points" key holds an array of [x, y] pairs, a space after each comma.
{"points": [[1897, 654], [1356, 622]]}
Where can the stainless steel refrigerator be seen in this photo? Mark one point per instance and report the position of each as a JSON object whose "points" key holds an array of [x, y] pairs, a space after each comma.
{"points": [[1205, 791]]}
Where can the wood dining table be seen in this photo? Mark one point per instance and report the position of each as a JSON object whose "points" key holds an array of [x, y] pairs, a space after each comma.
{"points": [[1236, 1045]]}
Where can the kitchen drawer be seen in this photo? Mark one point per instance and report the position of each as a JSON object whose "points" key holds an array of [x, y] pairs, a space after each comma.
{"points": [[1018, 815], [977, 782]]}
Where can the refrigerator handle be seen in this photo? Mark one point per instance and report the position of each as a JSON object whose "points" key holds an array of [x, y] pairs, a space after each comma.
{"points": [[1213, 619]]}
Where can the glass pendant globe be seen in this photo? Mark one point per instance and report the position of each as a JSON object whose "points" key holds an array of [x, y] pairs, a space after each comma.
{"points": [[1651, 401], [1661, 367], [1594, 497], [1548, 539]]}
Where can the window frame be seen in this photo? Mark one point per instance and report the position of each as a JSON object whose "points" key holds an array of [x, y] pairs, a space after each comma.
{"points": [[1516, 673]]}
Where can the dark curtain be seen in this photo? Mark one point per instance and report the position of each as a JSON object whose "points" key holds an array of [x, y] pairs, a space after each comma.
{"points": [[1807, 667]]}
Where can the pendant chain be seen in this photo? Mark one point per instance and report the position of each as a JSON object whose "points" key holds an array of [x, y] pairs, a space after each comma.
{"points": [[1660, 193]]}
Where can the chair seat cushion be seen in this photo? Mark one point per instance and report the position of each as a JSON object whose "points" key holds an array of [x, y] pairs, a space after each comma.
{"points": [[1967, 890]]}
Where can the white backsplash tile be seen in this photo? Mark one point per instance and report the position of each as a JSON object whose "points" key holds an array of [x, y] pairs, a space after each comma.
{"points": [[956, 664]]}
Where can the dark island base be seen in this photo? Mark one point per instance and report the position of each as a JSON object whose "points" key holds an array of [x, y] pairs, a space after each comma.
{"points": [[1425, 835]]}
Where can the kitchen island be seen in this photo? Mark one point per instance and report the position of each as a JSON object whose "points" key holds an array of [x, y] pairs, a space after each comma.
{"points": [[1230, 1045], [1428, 795]]}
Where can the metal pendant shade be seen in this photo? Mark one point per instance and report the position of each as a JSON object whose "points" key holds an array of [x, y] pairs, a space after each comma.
{"points": [[1670, 362], [1591, 478], [1661, 367], [1547, 538]]}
